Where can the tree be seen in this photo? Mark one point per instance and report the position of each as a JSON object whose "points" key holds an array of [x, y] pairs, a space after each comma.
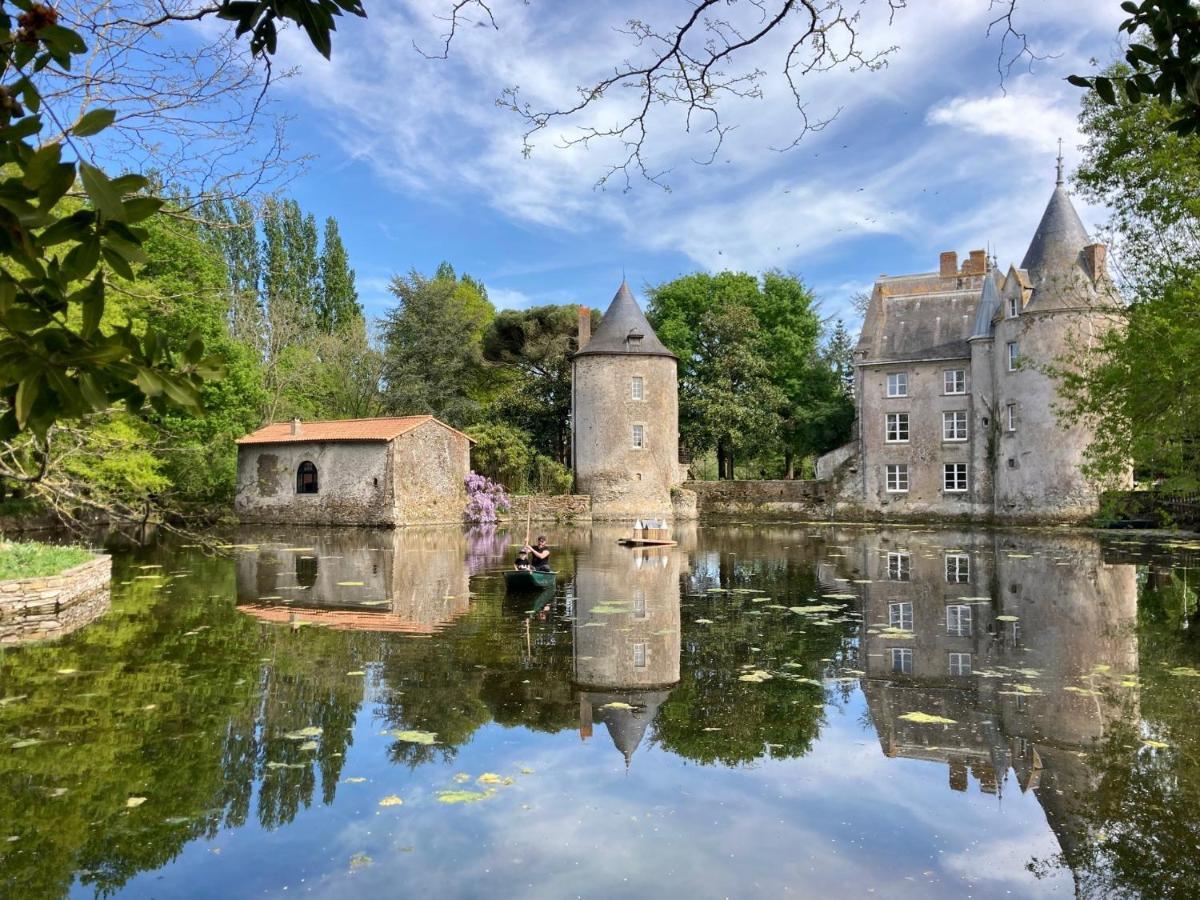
{"points": [[337, 299], [810, 415], [727, 388], [1139, 385], [57, 363], [839, 354], [433, 360], [348, 380], [536, 345], [1164, 62]]}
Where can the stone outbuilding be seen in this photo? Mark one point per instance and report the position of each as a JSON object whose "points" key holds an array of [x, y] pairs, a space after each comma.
{"points": [[625, 415], [383, 472]]}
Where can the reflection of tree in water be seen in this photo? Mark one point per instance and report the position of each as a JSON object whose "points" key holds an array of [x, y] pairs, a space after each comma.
{"points": [[712, 716], [1135, 832], [172, 701]]}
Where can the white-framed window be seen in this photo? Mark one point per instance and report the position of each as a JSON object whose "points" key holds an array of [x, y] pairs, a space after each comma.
{"points": [[897, 478], [954, 425], [897, 428], [954, 477], [901, 660], [899, 566], [900, 615], [639, 656], [1014, 306], [960, 663], [958, 620], [1010, 417], [958, 568], [1014, 353], [897, 384], [954, 381], [637, 388], [639, 604]]}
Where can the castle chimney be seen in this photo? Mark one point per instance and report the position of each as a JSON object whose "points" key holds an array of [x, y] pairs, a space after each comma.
{"points": [[295, 426], [949, 264], [1095, 260], [977, 264], [585, 326]]}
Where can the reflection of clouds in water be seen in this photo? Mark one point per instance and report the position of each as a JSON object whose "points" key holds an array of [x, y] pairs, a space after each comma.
{"points": [[581, 826]]}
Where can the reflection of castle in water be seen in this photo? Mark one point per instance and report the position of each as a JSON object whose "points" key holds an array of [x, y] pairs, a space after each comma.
{"points": [[410, 580], [626, 637], [1022, 642]]}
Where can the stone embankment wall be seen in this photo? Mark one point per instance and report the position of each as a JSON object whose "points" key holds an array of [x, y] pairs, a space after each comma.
{"points": [[550, 508], [810, 499], [34, 609]]}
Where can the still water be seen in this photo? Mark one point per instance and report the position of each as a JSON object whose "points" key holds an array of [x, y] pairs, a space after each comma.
{"points": [[760, 711]]}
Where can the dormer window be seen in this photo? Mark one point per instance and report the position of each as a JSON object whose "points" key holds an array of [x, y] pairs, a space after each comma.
{"points": [[1013, 307], [634, 338]]}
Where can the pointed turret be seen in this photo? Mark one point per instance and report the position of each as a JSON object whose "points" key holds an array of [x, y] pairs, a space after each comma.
{"points": [[625, 330], [1060, 236]]}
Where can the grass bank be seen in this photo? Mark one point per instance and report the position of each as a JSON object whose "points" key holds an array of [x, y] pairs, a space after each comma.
{"points": [[28, 559]]}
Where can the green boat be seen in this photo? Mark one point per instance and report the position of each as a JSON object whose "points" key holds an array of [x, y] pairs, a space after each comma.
{"points": [[529, 581]]}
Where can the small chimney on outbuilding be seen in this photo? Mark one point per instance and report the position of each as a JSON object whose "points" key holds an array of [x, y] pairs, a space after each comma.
{"points": [[295, 426], [585, 326]]}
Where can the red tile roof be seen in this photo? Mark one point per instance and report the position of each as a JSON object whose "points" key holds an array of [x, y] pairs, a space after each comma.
{"points": [[384, 429]]}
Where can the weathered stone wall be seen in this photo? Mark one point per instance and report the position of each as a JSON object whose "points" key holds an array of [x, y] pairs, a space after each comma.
{"points": [[925, 452], [430, 467], [547, 508], [624, 482], [1039, 464], [34, 609], [354, 481], [810, 499]]}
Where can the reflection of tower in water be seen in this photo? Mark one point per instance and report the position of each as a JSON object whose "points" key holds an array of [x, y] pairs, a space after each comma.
{"points": [[1025, 643], [626, 641]]}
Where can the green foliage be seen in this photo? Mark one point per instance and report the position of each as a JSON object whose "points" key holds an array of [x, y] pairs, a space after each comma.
{"points": [[533, 347], [432, 346], [502, 453], [1141, 387], [551, 477], [1164, 60], [809, 407], [29, 559], [337, 298]]}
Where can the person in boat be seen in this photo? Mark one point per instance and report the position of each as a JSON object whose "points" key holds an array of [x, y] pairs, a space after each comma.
{"points": [[539, 554], [524, 560]]}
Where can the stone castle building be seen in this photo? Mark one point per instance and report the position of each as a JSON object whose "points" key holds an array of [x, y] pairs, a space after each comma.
{"points": [[625, 415], [957, 411]]}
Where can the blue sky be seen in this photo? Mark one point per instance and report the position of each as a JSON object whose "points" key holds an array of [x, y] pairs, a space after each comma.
{"points": [[932, 153]]}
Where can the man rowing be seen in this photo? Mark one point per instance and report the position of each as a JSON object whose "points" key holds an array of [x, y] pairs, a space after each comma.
{"points": [[539, 554]]}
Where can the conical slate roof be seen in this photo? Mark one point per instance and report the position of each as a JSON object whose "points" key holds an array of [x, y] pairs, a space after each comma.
{"points": [[989, 304], [1060, 236], [624, 330], [627, 726]]}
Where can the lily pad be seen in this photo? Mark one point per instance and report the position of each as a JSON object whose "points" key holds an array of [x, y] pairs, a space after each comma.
{"points": [[493, 778], [415, 737], [391, 800], [134, 802], [464, 796], [311, 731], [927, 719]]}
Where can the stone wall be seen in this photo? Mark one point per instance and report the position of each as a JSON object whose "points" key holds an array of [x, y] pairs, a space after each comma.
{"points": [[34, 609], [353, 483], [810, 499], [546, 508], [430, 467]]}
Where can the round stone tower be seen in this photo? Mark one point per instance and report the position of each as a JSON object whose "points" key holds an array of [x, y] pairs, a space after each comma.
{"points": [[625, 416], [1059, 303]]}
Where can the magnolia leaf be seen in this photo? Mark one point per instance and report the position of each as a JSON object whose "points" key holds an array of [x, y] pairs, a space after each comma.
{"points": [[93, 122], [105, 196]]}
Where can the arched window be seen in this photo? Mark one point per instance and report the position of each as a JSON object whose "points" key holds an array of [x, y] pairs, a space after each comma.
{"points": [[306, 478]]}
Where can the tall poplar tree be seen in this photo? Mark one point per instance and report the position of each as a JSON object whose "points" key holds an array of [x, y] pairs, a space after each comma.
{"points": [[337, 297]]}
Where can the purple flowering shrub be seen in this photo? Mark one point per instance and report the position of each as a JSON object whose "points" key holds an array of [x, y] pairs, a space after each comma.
{"points": [[485, 499]]}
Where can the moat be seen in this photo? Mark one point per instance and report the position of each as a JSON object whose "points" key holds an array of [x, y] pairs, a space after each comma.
{"points": [[762, 710]]}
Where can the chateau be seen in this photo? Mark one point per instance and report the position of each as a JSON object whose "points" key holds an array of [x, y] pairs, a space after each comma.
{"points": [[958, 409]]}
